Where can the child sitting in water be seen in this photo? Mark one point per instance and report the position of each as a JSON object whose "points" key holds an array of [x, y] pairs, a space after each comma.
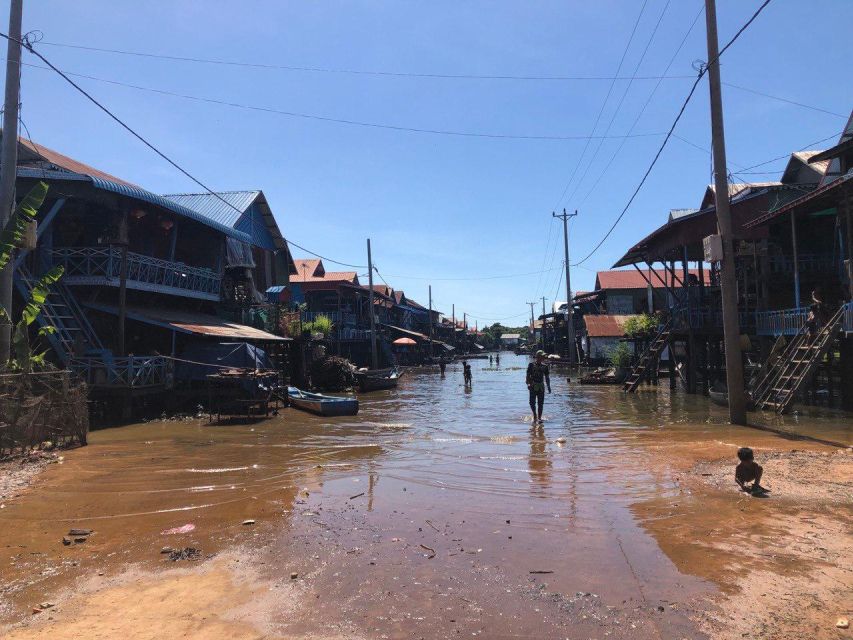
{"points": [[748, 471]]}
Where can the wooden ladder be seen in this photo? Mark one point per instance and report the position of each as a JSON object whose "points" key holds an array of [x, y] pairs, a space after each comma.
{"points": [[648, 360], [779, 386]]}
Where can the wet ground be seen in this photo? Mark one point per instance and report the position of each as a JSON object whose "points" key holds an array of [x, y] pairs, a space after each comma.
{"points": [[437, 512]]}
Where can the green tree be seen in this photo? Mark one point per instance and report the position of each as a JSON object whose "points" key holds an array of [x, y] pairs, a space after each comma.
{"points": [[23, 358]]}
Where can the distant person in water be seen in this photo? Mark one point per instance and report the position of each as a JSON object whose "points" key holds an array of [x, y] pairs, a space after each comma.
{"points": [[537, 378], [466, 373], [748, 470], [490, 358], [498, 359], [442, 365]]}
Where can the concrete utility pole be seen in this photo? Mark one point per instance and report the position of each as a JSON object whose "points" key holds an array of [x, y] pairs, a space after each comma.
{"points": [[373, 357], [543, 322], [9, 160], [731, 328], [570, 321], [430, 321]]}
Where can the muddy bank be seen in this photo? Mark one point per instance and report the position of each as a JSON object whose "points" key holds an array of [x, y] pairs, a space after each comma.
{"points": [[19, 472], [782, 561]]}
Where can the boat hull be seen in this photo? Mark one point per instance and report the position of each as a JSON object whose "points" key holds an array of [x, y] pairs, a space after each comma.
{"points": [[318, 404], [378, 379]]}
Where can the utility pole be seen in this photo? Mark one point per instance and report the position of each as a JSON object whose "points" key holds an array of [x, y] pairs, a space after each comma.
{"points": [[430, 321], [532, 322], [731, 329], [9, 161], [373, 357], [570, 321], [453, 316], [543, 322]]}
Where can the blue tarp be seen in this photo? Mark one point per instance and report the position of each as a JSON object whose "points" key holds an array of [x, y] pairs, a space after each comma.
{"points": [[214, 356]]}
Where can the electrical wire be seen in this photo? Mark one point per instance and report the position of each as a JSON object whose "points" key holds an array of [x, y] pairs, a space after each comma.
{"points": [[28, 46], [346, 121], [595, 153], [603, 104], [472, 279], [787, 100], [361, 72], [657, 155], [646, 104]]}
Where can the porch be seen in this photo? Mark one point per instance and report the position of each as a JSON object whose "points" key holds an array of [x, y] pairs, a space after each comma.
{"points": [[102, 266], [133, 373]]}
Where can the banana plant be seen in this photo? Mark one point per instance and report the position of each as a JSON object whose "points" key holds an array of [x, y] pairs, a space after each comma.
{"points": [[24, 359]]}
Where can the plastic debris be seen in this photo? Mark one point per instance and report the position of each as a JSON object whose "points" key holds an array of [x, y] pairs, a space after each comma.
{"points": [[175, 530]]}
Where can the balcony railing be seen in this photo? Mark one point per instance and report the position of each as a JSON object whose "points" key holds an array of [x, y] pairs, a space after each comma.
{"points": [[847, 318], [707, 318], [807, 263], [102, 266], [788, 322], [134, 372]]}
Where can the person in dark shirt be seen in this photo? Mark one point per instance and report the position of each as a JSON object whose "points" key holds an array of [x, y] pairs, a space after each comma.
{"points": [[537, 378], [748, 470], [466, 373]]}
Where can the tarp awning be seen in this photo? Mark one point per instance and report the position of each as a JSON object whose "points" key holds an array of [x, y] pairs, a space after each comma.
{"points": [[191, 322]]}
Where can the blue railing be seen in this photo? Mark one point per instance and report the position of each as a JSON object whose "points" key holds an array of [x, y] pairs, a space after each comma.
{"points": [[102, 266], [847, 318], [788, 322], [134, 372], [807, 263]]}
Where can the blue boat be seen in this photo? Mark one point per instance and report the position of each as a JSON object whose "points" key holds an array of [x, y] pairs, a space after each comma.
{"points": [[322, 405]]}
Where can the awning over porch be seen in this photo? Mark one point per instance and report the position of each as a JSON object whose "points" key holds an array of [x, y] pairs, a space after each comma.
{"points": [[191, 322], [419, 336]]}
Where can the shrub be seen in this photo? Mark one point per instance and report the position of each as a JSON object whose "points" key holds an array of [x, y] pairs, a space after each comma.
{"points": [[620, 356], [641, 325]]}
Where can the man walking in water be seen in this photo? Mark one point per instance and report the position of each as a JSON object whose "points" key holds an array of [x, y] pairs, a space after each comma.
{"points": [[537, 378]]}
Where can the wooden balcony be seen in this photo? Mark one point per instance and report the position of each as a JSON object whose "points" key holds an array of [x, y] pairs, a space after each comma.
{"points": [[134, 373], [788, 322], [101, 266]]}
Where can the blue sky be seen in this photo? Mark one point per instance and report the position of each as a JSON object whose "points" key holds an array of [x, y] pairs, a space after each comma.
{"points": [[439, 207]]}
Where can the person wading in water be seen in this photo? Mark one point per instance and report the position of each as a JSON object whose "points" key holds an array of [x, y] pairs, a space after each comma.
{"points": [[537, 378]]}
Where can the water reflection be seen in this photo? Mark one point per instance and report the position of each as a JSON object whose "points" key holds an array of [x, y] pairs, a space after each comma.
{"points": [[539, 462]]}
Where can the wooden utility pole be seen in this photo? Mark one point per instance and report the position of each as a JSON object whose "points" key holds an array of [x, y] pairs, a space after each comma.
{"points": [[731, 328], [374, 362], [570, 321], [9, 160], [543, 323], [430, 321], [532, 322], [453, 316]]}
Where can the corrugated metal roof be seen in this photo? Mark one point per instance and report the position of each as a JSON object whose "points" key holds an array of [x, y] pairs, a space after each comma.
{"points": [[674, 214], [191, 322], [130, 191], [215, 209], [633, 279], [605, 326]]}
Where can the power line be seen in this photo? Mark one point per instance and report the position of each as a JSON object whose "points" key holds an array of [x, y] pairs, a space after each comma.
{"points": [[360, 72], [472, 279], [148, 144], [621, 100], [646, 104], [346, 121], [603, 104], [701, 73], [787, 100]]}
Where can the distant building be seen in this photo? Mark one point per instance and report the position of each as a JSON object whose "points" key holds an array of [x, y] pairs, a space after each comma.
{"points": [[603, 333], [510, 339]]}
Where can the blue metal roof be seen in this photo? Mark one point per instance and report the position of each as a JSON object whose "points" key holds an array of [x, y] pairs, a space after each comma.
{"points": [[137, 193], [213, 208], [166, 203]]}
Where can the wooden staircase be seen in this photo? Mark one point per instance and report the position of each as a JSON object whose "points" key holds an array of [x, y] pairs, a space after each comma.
{"points": [[649, 359], [779, 386]]}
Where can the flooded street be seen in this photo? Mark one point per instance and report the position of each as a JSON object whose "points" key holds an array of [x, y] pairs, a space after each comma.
{"points": [[437, 512]]}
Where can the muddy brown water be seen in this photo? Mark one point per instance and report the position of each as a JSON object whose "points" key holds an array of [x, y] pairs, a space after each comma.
{"points": [[435, 512]]}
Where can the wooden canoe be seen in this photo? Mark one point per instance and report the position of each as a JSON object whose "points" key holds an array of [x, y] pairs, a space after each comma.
{"points": [[377, 379], [321, 405]]}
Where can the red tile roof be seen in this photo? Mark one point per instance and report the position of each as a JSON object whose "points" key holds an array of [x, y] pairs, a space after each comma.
{"points": [[311, 270], [632, 279], [605, 326]]}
